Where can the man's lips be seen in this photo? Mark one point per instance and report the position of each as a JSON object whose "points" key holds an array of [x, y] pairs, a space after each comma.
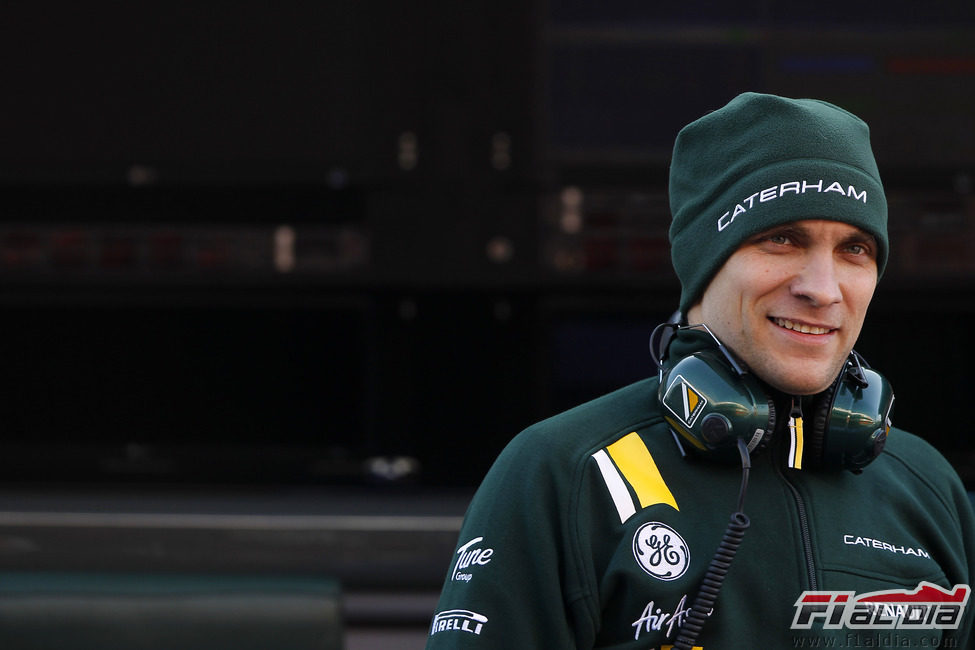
{"points": [[802, 328]]}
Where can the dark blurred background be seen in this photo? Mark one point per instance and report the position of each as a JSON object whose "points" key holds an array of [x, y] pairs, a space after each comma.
{"points": [[251, 243], [247, 248]]}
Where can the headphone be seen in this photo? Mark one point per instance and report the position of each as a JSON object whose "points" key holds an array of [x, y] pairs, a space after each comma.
{"points": [[711, 400]]}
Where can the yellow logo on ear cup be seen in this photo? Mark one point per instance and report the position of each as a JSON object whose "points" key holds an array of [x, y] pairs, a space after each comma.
{"points": [[690, 400], [684, 401]]}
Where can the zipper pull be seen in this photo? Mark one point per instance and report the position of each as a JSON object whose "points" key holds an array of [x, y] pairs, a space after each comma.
{"points": [[795, 433]]}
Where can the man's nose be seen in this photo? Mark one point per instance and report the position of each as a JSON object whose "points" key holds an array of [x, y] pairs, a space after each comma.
{"points": [[817, 281]]}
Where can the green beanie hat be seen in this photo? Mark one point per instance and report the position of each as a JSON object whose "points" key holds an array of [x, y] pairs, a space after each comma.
{"points": [[762, 161]]}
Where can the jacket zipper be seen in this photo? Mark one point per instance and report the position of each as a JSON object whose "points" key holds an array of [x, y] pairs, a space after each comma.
{"points": [[803, 530]]}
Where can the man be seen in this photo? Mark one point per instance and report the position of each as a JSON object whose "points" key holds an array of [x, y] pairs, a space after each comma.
{"points": [[596, 528]]}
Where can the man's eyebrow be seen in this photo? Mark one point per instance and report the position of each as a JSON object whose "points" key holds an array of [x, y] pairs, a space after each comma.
{"points": [[797, 230], [789, 229], [860, 237]]}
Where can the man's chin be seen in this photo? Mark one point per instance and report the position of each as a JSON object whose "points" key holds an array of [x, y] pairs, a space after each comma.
{"points": [[809, 383]]}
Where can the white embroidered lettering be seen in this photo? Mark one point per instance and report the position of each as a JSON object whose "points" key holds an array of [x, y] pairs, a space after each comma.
{"points": [[790, 187], [724, 222], [470, 555], [653, 618], [880, 545], [461, 620]]}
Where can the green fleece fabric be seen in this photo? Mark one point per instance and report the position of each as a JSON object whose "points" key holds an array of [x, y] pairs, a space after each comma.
{"points": [[571, 541]]}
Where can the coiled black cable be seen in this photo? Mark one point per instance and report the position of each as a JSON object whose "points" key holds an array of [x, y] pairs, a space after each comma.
{"points": [[707, 595]]}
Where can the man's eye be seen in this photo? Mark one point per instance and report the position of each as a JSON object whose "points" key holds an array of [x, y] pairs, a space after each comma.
{"points": [[778, 239]]}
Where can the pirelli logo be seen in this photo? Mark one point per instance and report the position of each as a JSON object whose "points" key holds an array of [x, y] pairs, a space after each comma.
{"points": [[684, 401], [632, 477]]}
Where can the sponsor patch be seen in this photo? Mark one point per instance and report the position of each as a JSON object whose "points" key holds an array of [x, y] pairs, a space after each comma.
{"points": [[661, 551], [470, 555], [459, 620], [928, 607], [655, 619]]}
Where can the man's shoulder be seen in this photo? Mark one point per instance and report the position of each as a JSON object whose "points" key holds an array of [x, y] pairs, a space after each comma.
{"points": [[553, 454], [911, 449], [911, 457], [565, 439]]}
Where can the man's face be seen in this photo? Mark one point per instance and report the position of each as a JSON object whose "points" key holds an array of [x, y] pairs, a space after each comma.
{"points": [[790, 302]]}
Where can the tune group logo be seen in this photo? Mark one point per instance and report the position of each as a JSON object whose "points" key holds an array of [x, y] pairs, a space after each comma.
{"points": [[928, 607]]}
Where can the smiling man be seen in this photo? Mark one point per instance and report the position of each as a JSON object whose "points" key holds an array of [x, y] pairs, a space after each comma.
{"points": [[596, 528]]}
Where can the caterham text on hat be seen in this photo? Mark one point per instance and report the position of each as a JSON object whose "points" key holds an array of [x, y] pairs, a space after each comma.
{"points": [[796, 187]]}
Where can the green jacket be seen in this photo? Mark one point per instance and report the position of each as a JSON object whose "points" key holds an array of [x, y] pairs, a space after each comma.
{"points": [[592, 530]]}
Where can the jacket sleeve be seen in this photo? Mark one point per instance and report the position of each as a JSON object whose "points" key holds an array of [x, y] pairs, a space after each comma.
{"points": [[510, 582]]}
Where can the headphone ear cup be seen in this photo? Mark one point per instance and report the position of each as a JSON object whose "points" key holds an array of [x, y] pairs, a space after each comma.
{"points": [[817, 415], [859, 421], [711, 406]]}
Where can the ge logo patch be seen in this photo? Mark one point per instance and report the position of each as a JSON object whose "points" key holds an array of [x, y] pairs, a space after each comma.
{"points": [[660, 551]]}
